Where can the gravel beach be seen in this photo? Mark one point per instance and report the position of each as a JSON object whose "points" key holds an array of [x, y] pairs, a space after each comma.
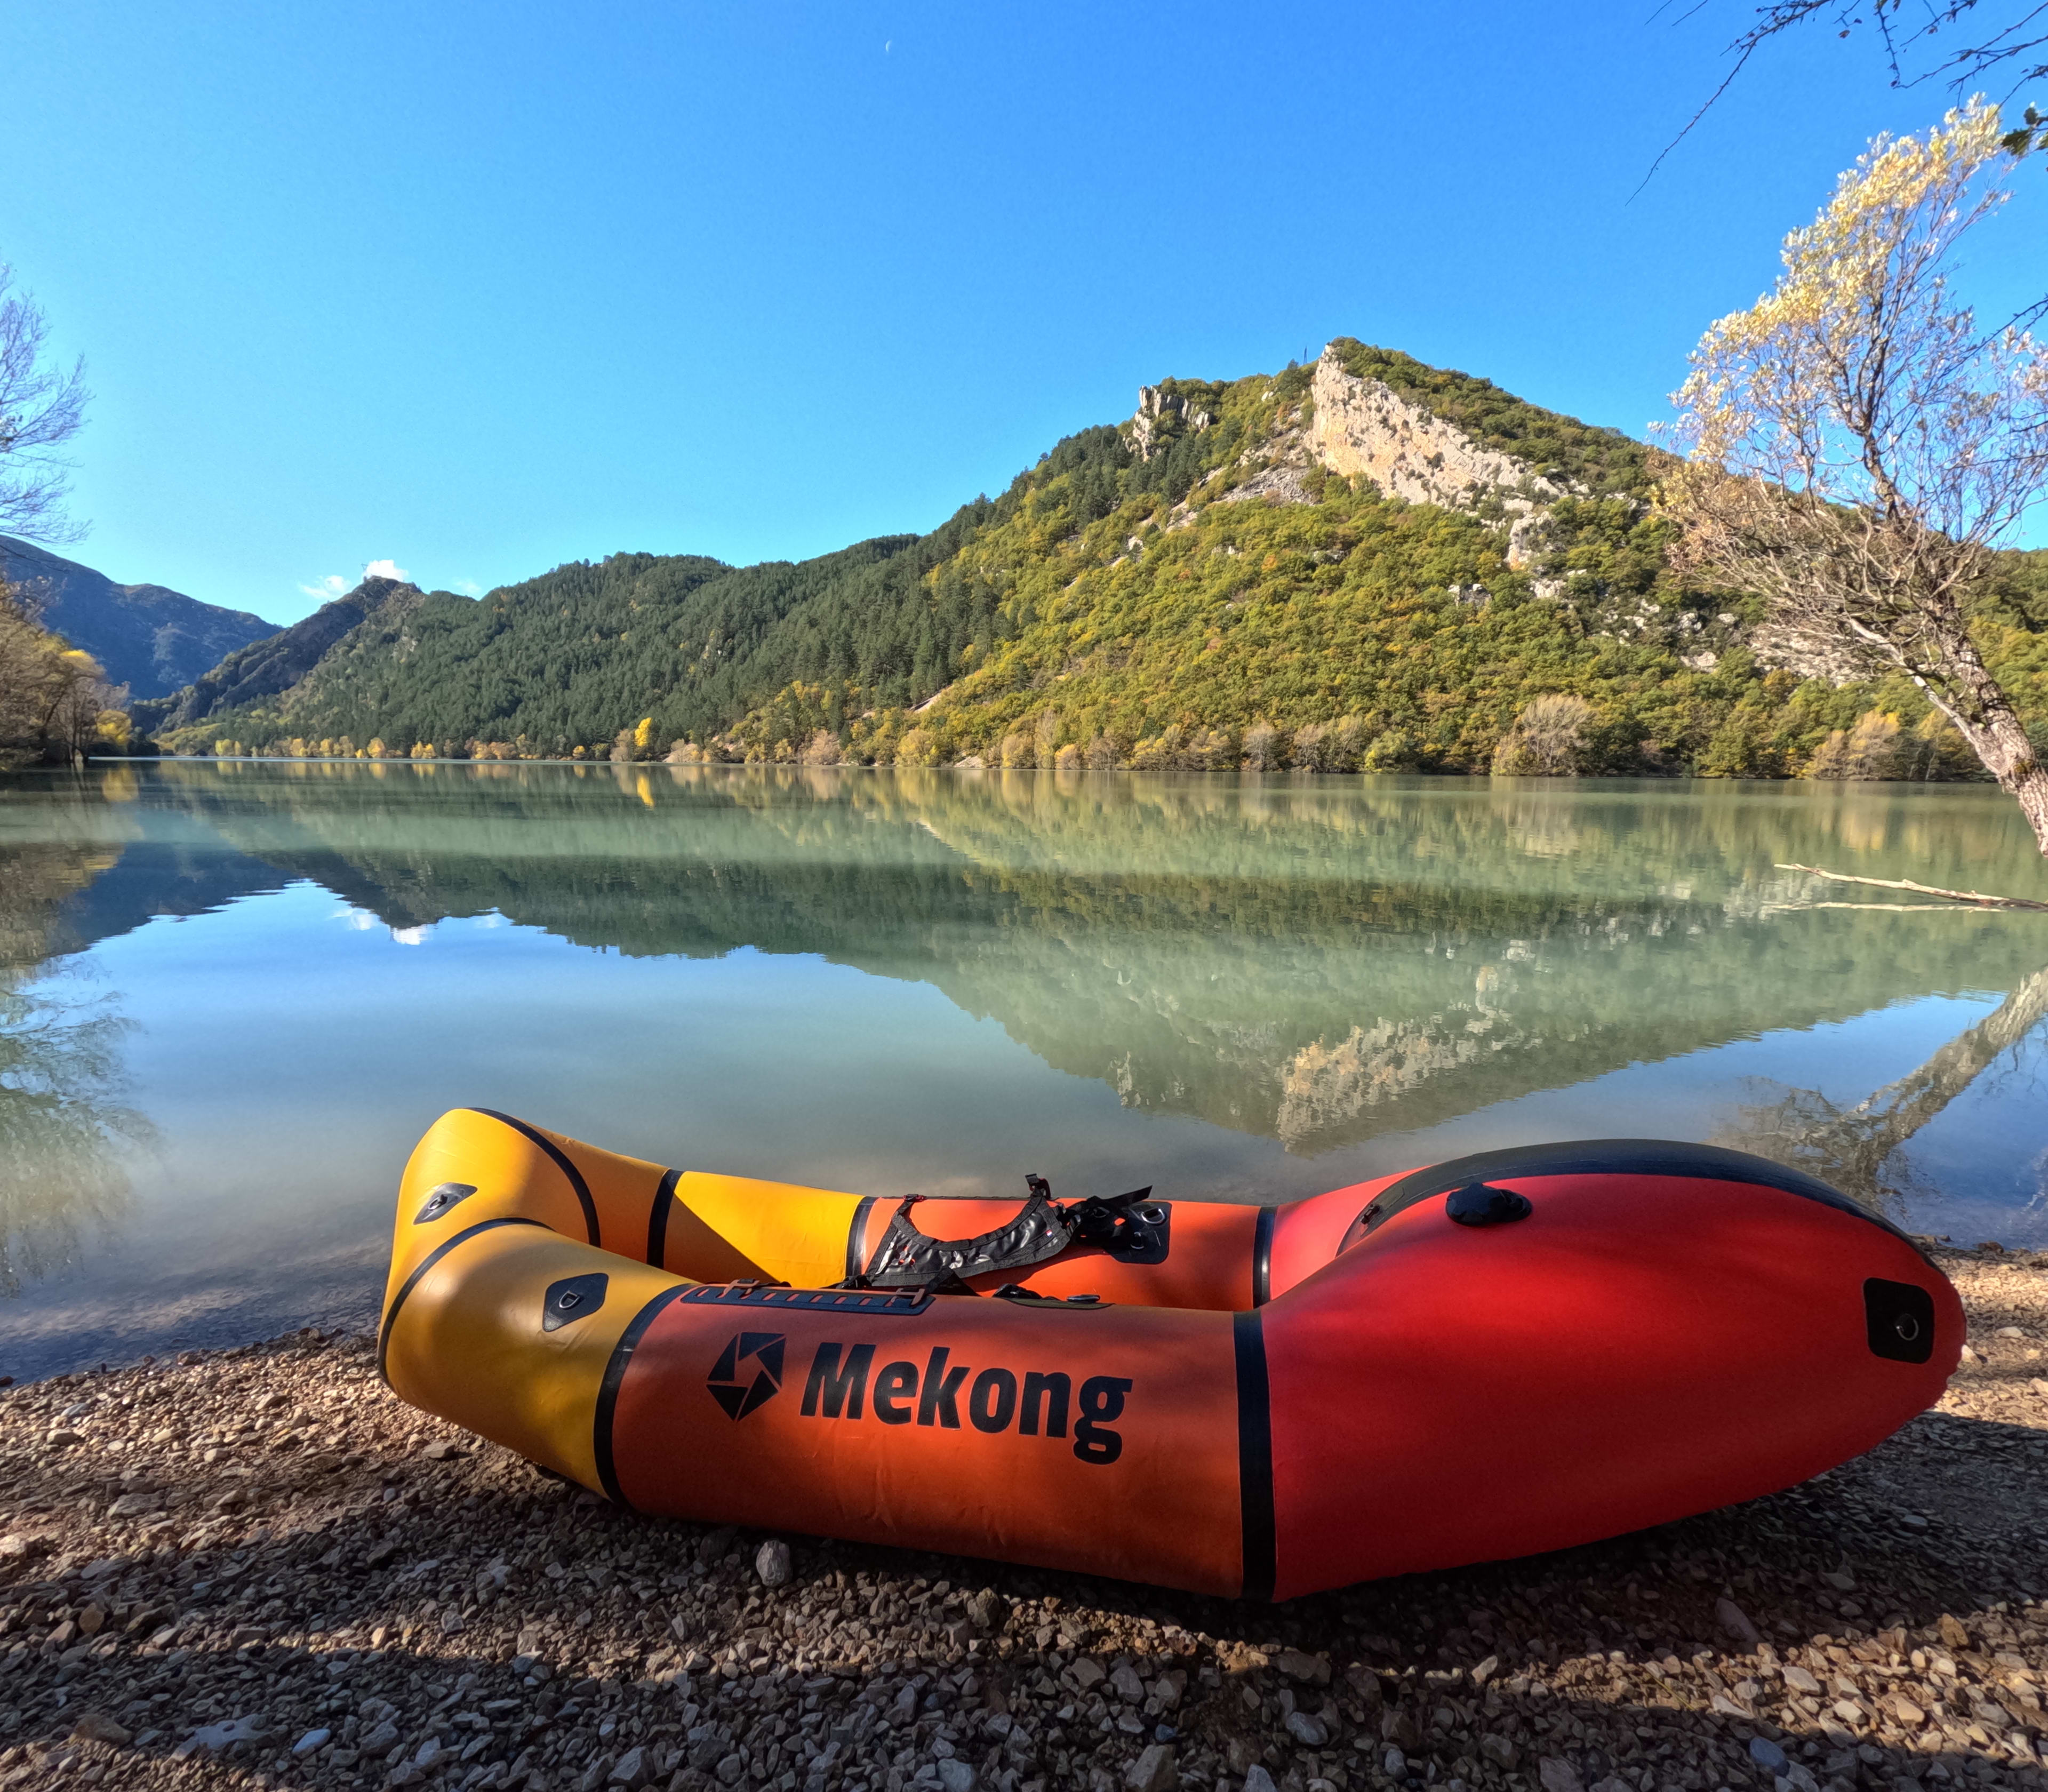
{"points": [[256, 1568]]}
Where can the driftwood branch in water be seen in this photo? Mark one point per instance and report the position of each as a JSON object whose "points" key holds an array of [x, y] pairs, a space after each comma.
{"points": [[1920, 889]]}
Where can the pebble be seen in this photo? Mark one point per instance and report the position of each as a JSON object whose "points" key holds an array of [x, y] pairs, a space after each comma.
{"points": [[1155, 1770], [311, 1741], [1311, 1732], [1735, 1622], [772, 1563]]}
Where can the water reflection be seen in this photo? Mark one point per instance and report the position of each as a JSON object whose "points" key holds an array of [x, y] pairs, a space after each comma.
{"points": [[1316, 961], [65, 1135], [1859, 1149], [1247, 989]]}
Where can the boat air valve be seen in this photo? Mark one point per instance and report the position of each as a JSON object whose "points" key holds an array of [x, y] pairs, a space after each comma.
{"points": [[573, 1298], [1478, 1204], [442, 1199]]}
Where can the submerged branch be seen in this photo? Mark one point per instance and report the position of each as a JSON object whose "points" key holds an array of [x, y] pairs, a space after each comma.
{"points": [[1920, 889]]}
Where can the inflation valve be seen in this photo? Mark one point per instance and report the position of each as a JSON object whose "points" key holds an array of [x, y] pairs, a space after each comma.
{"points": [[1901, 1318], [441, 1199], [573, 1298], [1477, 1203]]}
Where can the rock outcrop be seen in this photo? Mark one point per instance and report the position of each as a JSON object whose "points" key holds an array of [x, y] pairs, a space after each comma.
{"points": [[1155, 404], [1359, 426]]}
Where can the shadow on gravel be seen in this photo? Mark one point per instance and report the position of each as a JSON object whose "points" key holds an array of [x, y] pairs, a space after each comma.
{"points": [[1655, 1660]]}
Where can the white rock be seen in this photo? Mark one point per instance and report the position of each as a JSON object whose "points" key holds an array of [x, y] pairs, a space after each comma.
{"points": [[311, 1741], [1311, 1732], [771, 1562], [956, 1776], [1735, 1622]]}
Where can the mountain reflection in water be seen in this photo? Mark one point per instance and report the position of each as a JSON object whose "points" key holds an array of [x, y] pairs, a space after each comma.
{"points": [[1334, 965]]}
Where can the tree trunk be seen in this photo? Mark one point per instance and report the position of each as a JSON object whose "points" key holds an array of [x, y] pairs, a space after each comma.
{"points": [[1964, 691]]}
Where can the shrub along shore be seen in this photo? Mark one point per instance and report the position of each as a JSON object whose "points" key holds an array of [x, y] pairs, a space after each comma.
{"points": [[258, 1568]]}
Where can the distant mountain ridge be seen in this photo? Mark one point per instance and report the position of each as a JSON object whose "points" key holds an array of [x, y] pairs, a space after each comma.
{"points": [[1365, 564], [150, 638], [269, 668]]}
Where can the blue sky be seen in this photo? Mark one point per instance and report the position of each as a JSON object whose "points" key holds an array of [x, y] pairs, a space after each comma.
{"points": [[478, 289]]}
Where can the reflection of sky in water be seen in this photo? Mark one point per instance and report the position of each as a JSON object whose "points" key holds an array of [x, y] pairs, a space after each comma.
{"points": [[1097, 1025]]}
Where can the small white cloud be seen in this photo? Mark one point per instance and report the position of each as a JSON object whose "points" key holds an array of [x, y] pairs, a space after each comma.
{"points": [[412, 936], [332, 586], [469, 587], [386, 569]]}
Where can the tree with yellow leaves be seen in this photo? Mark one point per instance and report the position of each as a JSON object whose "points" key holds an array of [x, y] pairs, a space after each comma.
{"points": [[1856, 447]]}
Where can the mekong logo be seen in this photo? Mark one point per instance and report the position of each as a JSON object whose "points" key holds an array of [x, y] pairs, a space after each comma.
{"points": [[846, 1384], [748, 1373]]}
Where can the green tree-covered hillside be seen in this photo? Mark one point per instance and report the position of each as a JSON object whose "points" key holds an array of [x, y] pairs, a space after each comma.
{"points": [[1195, 589]]}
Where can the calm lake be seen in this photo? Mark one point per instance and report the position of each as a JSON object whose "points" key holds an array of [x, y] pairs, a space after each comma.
{"points": [[232, 996]]}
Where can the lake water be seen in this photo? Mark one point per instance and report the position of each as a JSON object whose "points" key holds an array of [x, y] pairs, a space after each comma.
{"points": [[233, 995]]}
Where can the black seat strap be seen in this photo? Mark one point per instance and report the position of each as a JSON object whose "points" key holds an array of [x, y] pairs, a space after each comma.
{"points": [[907, 1258]]}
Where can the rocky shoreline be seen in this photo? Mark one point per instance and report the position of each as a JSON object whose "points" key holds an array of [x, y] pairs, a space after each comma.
{"points": [[256, 1568]]}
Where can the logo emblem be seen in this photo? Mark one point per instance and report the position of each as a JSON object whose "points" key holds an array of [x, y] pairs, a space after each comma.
{"points": [[748, 1373]]}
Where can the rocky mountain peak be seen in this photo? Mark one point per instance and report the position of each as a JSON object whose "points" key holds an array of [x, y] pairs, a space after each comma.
{"points": [[1158, 407], [1362, 426]]}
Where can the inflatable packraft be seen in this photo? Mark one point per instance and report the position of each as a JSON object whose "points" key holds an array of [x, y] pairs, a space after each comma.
{"points": [[1513, 1352]]}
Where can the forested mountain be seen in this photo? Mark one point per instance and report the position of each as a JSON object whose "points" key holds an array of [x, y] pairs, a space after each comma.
{"points": [[149, 637], [1367, 563], [264, 670]]}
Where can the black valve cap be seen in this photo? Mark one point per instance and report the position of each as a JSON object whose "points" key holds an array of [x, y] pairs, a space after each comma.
{"points": [[573, 1298], [1900, 1318], [1478, 1204], [441, 1199]]}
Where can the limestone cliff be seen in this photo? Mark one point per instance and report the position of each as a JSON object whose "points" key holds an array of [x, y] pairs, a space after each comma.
{"points": [[1360, 426], [1357, 425]]}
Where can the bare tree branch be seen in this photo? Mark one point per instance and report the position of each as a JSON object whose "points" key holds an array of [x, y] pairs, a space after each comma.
{"points": [[2014, 48], [42, 407]]}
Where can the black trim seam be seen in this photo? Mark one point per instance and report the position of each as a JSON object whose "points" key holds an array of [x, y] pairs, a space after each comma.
{"points": [[607, 1392], [856, 1265], [657, 1219], [425, 1263], [1262, 1256], [1255, 1457], [1617, 1157], [562, 1163]]}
